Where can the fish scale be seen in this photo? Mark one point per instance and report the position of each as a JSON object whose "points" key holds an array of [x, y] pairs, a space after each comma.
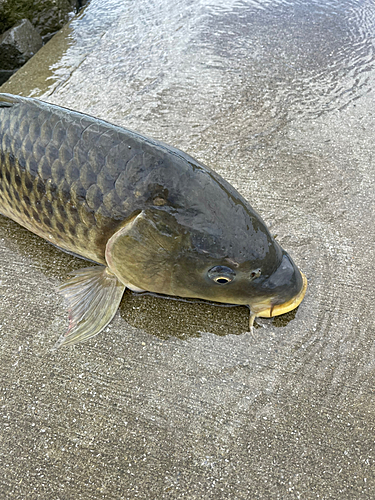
{"points": [[152, 217], [54, 183]]}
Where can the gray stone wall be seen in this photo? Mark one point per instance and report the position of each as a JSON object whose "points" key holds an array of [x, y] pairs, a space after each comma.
{"points": [[25, 25]]}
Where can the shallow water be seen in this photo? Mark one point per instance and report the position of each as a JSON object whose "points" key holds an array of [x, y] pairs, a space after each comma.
{"points": [[178, 400]]}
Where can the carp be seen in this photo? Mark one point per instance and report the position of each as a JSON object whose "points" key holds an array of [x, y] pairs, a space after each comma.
{"points": [[150, 217]]}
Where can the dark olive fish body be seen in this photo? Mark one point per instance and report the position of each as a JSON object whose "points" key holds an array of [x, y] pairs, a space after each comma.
{"points": [[153, 217]]}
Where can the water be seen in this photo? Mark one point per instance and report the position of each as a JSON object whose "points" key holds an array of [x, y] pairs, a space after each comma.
{"points": [[287, 58], [178, 400]]}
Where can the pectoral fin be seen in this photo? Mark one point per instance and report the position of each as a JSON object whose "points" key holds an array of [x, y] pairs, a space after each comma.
{"points": [[93, 296]]}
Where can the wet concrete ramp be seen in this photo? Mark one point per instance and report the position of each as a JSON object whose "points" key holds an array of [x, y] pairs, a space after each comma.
{"points": [[179, 400]]}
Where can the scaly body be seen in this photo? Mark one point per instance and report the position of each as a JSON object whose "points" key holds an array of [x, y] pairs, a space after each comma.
{"points": [[148, 213]]}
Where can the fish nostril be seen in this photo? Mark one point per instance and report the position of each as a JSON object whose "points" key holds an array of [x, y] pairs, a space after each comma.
{"points": [[255, 274]]}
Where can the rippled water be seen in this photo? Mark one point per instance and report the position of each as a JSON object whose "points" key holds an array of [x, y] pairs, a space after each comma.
{"points": [[287, 58]]}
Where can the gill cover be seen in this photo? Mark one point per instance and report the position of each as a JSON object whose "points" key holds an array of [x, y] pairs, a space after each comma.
{"points": [[143, 253]]}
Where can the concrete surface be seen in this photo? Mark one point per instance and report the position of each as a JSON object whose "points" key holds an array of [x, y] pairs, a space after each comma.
{"points": [[178, 400]]}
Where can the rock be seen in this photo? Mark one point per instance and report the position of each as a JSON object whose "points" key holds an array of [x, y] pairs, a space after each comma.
{"points": [[5, 74], [47, 16], [18, 44]]}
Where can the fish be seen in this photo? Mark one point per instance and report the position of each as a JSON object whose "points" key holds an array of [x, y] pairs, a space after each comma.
{"points": [[148, 217]]}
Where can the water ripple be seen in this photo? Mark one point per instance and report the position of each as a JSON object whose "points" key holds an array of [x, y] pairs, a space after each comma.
{"points": [[307, 57], [194, 67]]}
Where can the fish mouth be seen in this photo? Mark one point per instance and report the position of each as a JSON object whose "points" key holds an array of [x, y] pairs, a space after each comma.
{"points": [[267, 310]]}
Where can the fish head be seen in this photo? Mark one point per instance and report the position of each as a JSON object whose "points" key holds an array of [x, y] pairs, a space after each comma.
{"points": [[183, 254], [252, 271]]}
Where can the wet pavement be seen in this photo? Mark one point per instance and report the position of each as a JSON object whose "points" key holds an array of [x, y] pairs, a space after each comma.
{"points": [[177, 399]]}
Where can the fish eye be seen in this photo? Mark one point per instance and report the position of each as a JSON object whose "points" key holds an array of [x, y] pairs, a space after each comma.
{"points": [[221, 274], [255, 274]]}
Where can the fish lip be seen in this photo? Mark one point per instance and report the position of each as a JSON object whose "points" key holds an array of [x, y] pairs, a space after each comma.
{"points": [[269, 310]]}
